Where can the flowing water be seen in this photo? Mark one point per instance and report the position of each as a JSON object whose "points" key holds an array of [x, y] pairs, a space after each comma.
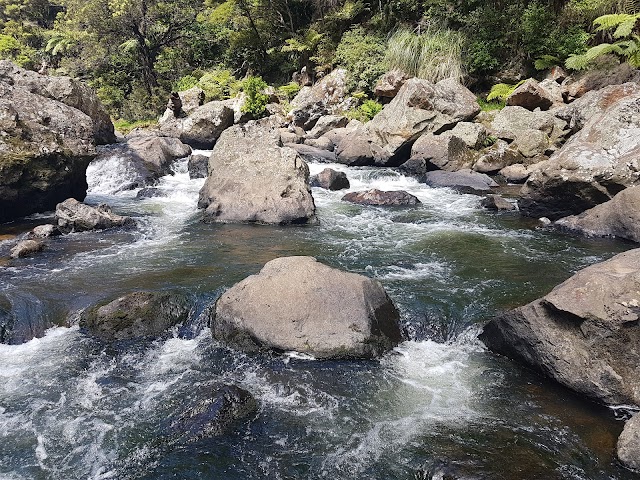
{"points": [[71, 408]]}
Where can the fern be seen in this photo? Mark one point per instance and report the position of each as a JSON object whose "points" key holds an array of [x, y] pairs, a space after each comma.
{"points": [[546, 61], [501, 91]]}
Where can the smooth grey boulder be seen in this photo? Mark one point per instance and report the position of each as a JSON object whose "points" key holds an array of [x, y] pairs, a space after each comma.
{"points": [[136, 315], [329, 179], [297, 303], [581, 334], [312, 154], [74, 216], [213, 415], [202, 127], [69, 91], [26, 248], [198, 166], [254, 180], [510, 122], [594, 165], [628, 448], [619, 217], [497, 203], [378, 197], [472, 134], [356, 150], [463, 181], [45, 148]]}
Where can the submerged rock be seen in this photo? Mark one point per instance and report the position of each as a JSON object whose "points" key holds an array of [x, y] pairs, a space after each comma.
{"points": [[464, 181], [378, 197], [150, 192], [496, 202], [214, 415], [26, 248], [136, 315], [73, 216], [330, 180], [297, 303], [581, 333], [254, 180], [619, 217], [628, 448]]}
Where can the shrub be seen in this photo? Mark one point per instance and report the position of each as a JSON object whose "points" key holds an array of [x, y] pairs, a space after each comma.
{"points": [[366, 111], [434, 54], [362, 54], [256, 100], [218, 85], [185, 83], [289, 90]]}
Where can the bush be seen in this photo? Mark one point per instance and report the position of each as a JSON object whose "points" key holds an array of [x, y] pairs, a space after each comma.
{"points": [[362, 55], [433, 55], [256, 100], [366, 111], [185, 83], [218, 85], [289, 90]]}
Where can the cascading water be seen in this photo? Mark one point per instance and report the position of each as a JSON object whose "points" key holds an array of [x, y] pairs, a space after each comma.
{"points": [[72, 408]]}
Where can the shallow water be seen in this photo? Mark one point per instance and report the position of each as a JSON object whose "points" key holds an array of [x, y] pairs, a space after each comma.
{"points": [[71, 408]]}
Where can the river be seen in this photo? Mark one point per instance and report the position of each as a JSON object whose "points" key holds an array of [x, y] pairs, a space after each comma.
{"points": [[72, 408]]}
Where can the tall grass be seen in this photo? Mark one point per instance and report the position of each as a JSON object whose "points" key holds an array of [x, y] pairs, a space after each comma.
{"points": [[434, 54]]}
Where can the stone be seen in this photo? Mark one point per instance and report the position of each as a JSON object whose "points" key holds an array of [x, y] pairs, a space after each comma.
{"points": [[463, 181], [198, 166], [322, 143], [557, 74], [628, 448], [442, 152], [254, 180], [594, 165], [307, 118], [313, 155], [26, 248], [291, 135], [619, 217], [390, 84], [192, 99], [581, 334], [472, 134], [73, 216], [610, 72], [66, 90], [496, 202], [150, 192], [327, 123], [497, 157], [379, 198], [330, 180], [297, 303], [148, 157], [516, 173], [531, 143], [532, 94], [202, 127], [45, 148], [210, 416], [44, 231], [330, 91], [512, 121], [136, 315], [355, 150]]}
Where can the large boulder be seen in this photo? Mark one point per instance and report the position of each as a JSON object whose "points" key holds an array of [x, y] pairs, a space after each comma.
{"points": [[198, 166], [498, 156], [297, 303], [329, 92], [628, 447], [45, 148], [66, 90], [330, 180], [202, 127], [146, 157], [619, 217], [533, 94], [74, 216], [379, 198], [595, 164], [253, 179], [608, 72], [136, 315], [583, 333], [511, 122], [26, 248], [390, 84], [438, 152], [419, 107], [463, 181], [327, 123]]}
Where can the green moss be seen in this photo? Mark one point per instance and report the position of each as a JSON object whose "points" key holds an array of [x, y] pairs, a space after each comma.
{"points": [[125, 126]]}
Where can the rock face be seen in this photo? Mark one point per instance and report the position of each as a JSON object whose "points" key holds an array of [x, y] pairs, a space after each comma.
{"points": [[330, 180], [252, 179], [136, 315], [202, 127], [629, 444], [26, 248], [378, 197], [581, 334], [595, 164], [214, 415], [44, 152], [198, 166], [463, 181], [72, 93], [296, 303], [149, 156], [619, 217], [596, 78], [73, 216]]}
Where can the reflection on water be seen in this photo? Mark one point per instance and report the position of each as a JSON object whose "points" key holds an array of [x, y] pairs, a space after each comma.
{"points": [[71, 408]]}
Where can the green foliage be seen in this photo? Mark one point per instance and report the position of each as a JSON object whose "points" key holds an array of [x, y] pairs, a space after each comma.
{"points": [[218, 84], [289, 90], [434, 54], [256, 101], [489, 140], [125, 126], [366, 111], [489, 106], [501, 91], [362, 54], [185, 83]]}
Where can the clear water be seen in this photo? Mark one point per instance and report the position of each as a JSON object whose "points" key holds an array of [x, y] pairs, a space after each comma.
{"points": [[71, 408]]}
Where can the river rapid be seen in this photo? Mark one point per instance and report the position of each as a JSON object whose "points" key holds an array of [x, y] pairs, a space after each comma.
{"points": [[72, 408]]}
